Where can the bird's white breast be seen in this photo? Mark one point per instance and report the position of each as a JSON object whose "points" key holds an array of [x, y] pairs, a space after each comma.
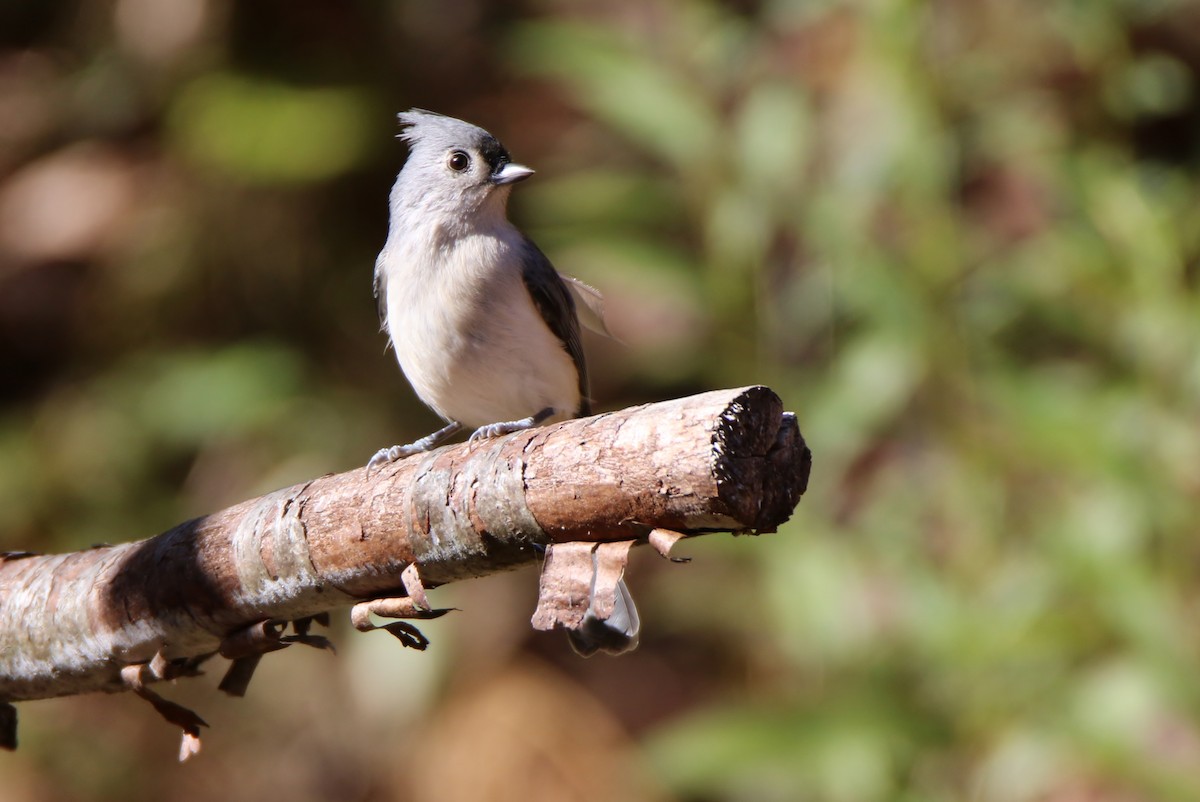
{"points": [[466, 332]]}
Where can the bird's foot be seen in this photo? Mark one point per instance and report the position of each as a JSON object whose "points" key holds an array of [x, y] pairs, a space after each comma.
{"points": [[385, 456], [510, 426]]}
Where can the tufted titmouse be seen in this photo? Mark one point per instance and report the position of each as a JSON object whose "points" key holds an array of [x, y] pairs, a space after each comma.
{"points": [[484, 328]]}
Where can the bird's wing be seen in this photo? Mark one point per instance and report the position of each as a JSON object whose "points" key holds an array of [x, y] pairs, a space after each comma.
{"points": [[557, 308], [589, 304], [379, 290]]}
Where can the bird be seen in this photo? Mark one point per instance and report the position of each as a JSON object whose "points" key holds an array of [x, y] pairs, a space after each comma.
{"points": [[483, 326]]}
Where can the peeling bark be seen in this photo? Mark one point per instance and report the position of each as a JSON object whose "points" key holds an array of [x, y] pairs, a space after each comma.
{"points": [[115, 617]]}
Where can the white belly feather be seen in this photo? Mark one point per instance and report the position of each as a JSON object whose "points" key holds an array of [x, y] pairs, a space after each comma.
{"points": [[469, 338]]}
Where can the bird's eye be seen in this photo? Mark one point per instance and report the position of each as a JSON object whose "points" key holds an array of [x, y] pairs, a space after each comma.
{"points": [[459, 161]]}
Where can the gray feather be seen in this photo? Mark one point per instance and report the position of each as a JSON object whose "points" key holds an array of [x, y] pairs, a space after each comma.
{"points": [[589, 303], [557, 308], [379, 290]]}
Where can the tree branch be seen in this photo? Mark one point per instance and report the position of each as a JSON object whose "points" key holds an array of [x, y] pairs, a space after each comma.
{"points": [[116, 617]]}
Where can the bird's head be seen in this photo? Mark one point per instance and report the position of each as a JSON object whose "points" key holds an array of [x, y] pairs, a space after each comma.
{"points": [[453, 167]]}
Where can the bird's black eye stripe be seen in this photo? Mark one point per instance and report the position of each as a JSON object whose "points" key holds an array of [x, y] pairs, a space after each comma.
{"points": [[458, 160]]}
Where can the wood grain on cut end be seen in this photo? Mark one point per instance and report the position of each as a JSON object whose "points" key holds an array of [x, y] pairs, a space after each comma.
{"points": [[760, 460]]}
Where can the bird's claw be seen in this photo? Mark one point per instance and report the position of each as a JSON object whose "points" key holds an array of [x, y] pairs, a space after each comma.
{"points": [[510, 426], [386, 456], [499, 429]]}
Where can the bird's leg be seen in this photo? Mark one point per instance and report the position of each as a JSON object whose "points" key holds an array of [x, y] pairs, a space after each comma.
{"points": [[507, 427], [385, 455]]}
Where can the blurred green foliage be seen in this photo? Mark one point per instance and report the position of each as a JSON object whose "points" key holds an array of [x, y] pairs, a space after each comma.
{"points": [[269, 131], [962, 241]]}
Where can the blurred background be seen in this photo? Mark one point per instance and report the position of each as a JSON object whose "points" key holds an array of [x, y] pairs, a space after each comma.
{"points": [[960, 239]]}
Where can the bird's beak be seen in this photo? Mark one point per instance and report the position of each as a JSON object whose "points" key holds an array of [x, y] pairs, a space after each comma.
{"points": [[511, 174]]}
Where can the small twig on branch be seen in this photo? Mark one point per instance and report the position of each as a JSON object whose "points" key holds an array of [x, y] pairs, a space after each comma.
{"points": [[115, 618]]}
